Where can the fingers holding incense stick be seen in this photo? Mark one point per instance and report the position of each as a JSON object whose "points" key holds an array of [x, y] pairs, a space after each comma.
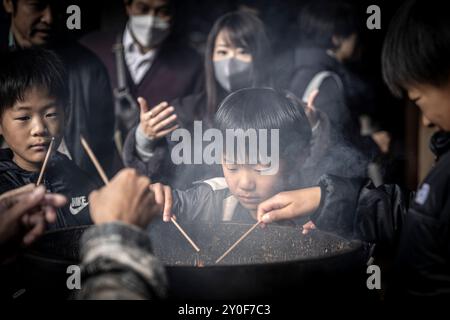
{"points": [[44, 165], [237, 242], [94, 160]]}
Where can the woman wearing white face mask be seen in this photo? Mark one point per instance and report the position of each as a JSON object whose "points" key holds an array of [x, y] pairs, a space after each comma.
{"points": [[237, 56], [147, 58]]}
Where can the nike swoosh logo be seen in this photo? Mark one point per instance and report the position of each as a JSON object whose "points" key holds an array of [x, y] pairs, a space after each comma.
{"points": [[75, 211]]}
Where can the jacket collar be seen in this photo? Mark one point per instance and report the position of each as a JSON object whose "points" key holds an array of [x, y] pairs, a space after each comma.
{"points": [[8, 165]]}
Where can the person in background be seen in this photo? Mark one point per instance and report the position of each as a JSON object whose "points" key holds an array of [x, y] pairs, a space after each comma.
{"points": [[147, 58], [328, 40], [237, 56], [39, 23]]}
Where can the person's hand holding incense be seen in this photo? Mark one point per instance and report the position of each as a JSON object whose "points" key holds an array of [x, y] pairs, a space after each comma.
{"points": [[163, 197], [24, 213], [127, 198]]}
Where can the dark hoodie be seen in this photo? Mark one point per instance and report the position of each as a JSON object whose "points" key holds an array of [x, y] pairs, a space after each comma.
{"points": [[61, 176]]}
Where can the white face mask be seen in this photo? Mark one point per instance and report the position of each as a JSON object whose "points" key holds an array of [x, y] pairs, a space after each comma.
{"points": [[149, 30], [233, 74]]}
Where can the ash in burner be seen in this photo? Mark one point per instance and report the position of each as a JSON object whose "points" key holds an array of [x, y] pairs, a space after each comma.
{"points": [[264, 245]]}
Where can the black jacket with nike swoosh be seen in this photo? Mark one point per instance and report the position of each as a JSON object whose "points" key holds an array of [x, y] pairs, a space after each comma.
{"points": [[61, 176], [415, 226]]}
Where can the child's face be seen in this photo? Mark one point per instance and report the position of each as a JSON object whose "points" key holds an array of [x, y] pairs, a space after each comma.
{"points": [[29, 125], [434, 102], [248, 184]]}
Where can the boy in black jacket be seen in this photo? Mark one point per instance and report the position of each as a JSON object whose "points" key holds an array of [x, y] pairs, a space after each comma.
{"points": [[416, 65], [32, 99], [281, 145]]}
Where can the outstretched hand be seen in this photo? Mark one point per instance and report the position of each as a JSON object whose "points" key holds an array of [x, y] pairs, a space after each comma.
{"points": [[157, 122]]}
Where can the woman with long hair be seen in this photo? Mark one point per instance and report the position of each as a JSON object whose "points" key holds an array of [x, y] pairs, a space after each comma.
{"points": [[237, 56]]}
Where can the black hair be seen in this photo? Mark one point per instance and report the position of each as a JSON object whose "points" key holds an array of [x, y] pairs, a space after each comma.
{"points": [[21, 70], [416, 49], [266, 108], [171, 5], [14, 2], [320, 20], [246, 30]]}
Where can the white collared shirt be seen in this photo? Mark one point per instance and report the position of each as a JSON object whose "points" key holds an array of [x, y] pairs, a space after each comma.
{"points": [[138, 64]]}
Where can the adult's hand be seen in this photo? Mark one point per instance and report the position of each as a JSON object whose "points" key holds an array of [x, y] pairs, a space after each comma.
{"points": [[163, 197], [127, 198], [157, 122], [25, 211], [289, 204]]}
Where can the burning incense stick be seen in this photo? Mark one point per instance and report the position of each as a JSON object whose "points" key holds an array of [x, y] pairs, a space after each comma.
{"points": [[94, 160], [106, 181], [44, 165], [237, 242], [185, 234]]}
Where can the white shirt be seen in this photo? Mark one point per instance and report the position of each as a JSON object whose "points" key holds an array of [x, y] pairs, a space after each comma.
{"points": [[138, 64], [64, 150]]}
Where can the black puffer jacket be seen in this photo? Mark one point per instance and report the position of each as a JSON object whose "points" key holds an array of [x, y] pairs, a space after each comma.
{"points": [[415, 225], [61, 176]]}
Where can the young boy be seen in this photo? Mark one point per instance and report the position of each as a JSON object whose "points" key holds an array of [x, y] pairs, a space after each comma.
{"points": [[33, 95], [249, 176]]}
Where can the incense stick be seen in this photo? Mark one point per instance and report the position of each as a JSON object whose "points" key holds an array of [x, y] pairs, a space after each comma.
{"points": [[106, 181], [185, 235], [44, 165], [94, 160], [237, 242]]}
